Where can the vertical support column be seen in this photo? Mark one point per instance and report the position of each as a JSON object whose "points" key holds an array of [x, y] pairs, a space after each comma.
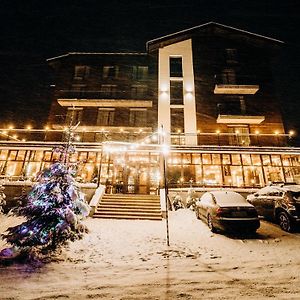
{"points": [[164, 111], [184, 50], [190, 122]]}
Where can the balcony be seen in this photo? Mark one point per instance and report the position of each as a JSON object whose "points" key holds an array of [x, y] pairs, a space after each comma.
{"points": [[100, 98], [239, 119], [233, 113], [231, 85]]}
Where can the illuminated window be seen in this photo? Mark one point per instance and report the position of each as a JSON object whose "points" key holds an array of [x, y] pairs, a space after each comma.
{"points": [[212, 175], [177, 120], [255, 159], [105, 116], [239, 136], [137, 117], [74, 115], [110, 72], [246, 159], [253, 176], [12, 155], [266, 160], [139, 91], [236, 159], [226, 159], [176, 92], [140, 72], [276, 161], [81, 72], [228, 76], [273, 174], [108, 90], [175, 66]]}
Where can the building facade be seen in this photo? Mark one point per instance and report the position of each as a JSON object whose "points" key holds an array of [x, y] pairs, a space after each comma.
{"points": [[207, 92]]}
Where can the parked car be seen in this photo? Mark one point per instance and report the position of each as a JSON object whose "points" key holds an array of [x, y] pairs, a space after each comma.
{"points": [[228, 211], [279, 203]]}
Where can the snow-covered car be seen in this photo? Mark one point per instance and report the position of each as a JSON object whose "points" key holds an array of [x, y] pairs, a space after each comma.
{"points": [[279, 203], [227, 211]]}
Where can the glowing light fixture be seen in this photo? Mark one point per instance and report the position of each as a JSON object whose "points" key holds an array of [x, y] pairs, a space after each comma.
{"points": [[291, 132]]}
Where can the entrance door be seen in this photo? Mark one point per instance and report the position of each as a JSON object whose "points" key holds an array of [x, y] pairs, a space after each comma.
{"points": [[134, 173]]}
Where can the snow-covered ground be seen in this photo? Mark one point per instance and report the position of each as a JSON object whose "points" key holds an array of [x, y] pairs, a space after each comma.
{"points": [[122, 259]]}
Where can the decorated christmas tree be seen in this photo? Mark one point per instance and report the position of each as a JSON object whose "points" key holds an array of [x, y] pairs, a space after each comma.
{"points": [[54, 209]]}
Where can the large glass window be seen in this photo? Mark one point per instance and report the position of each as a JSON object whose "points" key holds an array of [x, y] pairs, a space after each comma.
{"points": [[246, 160], [196, 158], [176, 92], [266, 160], [105, 116], [139, 91], [286, 160], [137, 117], [177, 120], [253, 176], [276, 161], [110, 72], [239, 136], [236, 159], [206, 159], [139, 72], [228, 76], [74, 115], [32, 168], [175, 66], [273, 174], [81, 72], [236, 176], [108, 90], [212, 175], [174, 174], [255, 159]]}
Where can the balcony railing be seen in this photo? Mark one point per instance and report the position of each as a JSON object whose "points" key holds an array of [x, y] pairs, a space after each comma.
{"points": [[73, 94], [144, 135], [234, 84]]}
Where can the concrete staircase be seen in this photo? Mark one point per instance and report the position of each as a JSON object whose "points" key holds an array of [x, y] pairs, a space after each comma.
{"points": [[129, 206]]}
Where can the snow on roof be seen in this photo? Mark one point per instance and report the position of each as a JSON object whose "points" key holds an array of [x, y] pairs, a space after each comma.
{"points": [[211, 23], [96, 53], [230, 198]]}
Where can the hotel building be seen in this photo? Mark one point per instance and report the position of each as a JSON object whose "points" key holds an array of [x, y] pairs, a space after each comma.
{"points": [[207, 92]]}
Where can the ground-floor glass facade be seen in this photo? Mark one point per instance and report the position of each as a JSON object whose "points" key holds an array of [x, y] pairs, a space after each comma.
{"points": [[140, 171]]}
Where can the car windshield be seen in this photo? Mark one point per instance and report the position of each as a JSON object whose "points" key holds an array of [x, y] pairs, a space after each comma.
{"points": [[224, 198]]}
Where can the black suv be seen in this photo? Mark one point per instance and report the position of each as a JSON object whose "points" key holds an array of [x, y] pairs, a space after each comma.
{"points": [[280, 203]]}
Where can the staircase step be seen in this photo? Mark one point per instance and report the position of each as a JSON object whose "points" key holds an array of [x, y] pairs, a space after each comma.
{"points": [[129, 206], [130, 203], [138, 210], [128, 217], [115, 204]]}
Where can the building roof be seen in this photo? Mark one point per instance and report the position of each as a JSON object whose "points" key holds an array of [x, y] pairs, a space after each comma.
{"points": [[203, 26], [97, 53]]}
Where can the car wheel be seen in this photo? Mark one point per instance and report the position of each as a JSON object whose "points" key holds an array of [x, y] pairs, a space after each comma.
{"points": [[210, 224], [284, 221]]}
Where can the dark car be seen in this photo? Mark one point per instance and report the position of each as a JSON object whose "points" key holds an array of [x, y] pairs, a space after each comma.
{"points": [[227, 211], [279, 203]]}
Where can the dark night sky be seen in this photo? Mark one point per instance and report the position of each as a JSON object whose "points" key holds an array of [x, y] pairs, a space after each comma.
{"points": [[32, 31]]}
